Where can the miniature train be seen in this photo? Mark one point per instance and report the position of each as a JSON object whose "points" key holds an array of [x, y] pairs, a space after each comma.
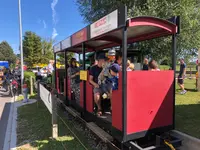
{"points": [[143, 107]]}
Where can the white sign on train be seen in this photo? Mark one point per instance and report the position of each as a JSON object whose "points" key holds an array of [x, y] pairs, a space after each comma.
{"points": [[45, 95], [66, 43], [57, 48], [105, 24]]}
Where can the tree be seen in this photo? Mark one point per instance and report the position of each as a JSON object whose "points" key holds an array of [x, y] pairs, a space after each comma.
{"points": [[32, 48], [188, 10], [47, 50], [6, 52], [36, 50]]}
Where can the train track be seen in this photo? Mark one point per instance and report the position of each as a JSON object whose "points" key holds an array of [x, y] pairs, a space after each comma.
{"points": [[99, 133]]}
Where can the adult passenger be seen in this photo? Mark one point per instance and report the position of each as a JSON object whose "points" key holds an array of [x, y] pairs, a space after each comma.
{"points": [[153, 66], [73, 74], [93, 79], [130, 66], [145, 65], [182, 76]]}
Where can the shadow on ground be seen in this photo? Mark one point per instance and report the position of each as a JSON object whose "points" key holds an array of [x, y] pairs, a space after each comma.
{"points": [[188, 120]]}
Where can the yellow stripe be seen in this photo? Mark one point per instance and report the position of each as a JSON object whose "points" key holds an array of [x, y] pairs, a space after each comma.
{"points": [[170, 145]]}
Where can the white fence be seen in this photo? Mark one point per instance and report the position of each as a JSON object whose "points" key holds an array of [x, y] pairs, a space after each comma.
{"points": [[46, 97]]}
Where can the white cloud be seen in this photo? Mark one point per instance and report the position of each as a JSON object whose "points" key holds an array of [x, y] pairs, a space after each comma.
{"points": [[54, 34], [44, 24], [53, 5]]}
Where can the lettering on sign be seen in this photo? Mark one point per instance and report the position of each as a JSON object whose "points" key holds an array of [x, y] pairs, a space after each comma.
{"points": [[57, 48], [79, 37], [66, 43], [104, 25]]}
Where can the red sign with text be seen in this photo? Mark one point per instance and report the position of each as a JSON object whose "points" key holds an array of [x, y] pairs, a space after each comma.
{"points": [[79, 37]]}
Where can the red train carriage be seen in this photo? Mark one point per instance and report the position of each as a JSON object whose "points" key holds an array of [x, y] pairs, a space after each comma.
{"points": [[144, 104]]}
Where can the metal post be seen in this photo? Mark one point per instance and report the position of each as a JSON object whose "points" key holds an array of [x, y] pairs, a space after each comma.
{"points": [[174, 68], [124, 80], [66, 79], [55, 77], [54, 115], [84, 82], [21, 46], [124, 75]]}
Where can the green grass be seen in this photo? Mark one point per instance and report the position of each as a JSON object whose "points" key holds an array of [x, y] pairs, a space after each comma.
{"points": [[166, 67], [188, 110], [34, 130]]}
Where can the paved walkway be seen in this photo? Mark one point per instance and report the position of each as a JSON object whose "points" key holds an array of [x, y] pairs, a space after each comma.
{"points": [[5, 105]]}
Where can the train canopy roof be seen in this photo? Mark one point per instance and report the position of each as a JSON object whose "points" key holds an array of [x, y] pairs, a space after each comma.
{"points": [[107, 32]]}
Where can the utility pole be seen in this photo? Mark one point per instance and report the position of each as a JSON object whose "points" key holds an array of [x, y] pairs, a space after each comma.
{"points": [[21, 45]]}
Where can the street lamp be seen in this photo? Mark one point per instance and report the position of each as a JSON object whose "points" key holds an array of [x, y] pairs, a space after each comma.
{"points": [[21, 45]]}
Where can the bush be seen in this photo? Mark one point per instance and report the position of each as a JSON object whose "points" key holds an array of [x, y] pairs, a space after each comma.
{"points": [[27, 75]]}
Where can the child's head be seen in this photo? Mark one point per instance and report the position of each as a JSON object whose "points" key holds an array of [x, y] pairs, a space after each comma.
{"points": [[153, 64], [114, 69], [111, 55]]}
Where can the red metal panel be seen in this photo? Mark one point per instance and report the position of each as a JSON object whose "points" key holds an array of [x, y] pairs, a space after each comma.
{"points": [[151, 21], [79, 37], [89, 97], [81, 95], [149, 100], [117, 105]]}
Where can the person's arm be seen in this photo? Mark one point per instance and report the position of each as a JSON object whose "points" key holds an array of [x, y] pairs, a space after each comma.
{"points": [[184, 71], [70, 73], [92, 82]]}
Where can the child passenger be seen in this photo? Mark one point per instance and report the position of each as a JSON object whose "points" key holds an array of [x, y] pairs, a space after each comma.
{"points": [[105, 72], [153, 66], [111, 83]]}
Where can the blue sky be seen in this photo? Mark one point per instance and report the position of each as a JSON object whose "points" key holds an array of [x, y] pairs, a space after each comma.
{"points": [[45, 17]]}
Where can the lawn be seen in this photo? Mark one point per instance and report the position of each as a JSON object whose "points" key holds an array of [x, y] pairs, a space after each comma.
{"points": [[165, 67], [188, 110], [34, 130]]}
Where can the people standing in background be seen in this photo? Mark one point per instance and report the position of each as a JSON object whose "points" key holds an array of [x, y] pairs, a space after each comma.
{"points": [[50, 67], [181, 76], [145, 65]]}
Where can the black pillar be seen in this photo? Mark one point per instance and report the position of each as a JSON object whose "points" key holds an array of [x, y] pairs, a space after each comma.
{"points": [[66, 79], [124, 75], [174, 69], [55, 86], [84, 82]]}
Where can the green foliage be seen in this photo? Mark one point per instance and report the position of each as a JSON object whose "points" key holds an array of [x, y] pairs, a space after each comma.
{"points": [[6, 53], [36, 50], [61, 57], [188, 10], [27, 77], [47, 51]]}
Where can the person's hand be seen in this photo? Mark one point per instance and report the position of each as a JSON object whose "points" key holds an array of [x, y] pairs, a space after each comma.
{"points": [[96, 86]]}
